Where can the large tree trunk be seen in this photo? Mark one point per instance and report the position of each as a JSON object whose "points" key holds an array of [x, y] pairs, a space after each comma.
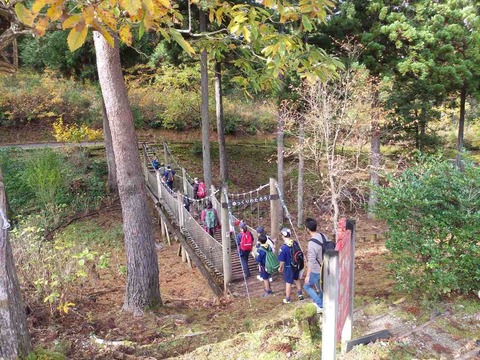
{"points": [[14, 337], [301, 138], [112, 169], [375, 158], [207, 166], [220, 123], [143, 289], [461, 126]]}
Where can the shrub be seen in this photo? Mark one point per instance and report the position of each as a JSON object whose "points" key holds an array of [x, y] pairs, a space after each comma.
{"points": [[28, 97], [433, 213]]}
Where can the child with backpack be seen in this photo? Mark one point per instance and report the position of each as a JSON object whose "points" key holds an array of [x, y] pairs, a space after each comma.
{"points": [[261, 231], [317, 245], [209, 218], [291, 263], [267, 263], [245, 245]]}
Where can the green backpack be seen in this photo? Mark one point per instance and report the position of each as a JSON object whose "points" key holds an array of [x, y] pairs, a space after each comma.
{"points": [[271, 261]]}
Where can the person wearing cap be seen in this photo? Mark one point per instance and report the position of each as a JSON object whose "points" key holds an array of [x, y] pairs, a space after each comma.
{"points": [[290, 275], [261, 231]]}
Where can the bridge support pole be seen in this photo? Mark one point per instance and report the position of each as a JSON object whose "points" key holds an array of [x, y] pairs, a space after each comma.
{"points": [[226, 242], [159, 184], [274, 213], [185, 182]]}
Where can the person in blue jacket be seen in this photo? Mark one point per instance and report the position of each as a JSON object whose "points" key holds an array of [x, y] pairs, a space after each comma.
{"points": [[290, 275], [261, 259]]}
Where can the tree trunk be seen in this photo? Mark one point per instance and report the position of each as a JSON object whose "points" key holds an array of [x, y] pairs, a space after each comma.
{"points": [[207, 166], [143, 289], [220, 123], [461, 126], [423, 130], [15, 53], [14, 337], [301, 138], [375, 158], [112, 169]]}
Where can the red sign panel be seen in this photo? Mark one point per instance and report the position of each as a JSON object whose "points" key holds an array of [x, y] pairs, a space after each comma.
{"points": [[344, 248]]}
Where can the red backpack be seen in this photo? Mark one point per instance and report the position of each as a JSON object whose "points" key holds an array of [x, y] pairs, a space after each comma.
{"points": [[201, 191], [246, 243]]}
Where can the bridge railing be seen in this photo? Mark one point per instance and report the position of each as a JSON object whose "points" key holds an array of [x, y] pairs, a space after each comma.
{"points": [[209, 246]]}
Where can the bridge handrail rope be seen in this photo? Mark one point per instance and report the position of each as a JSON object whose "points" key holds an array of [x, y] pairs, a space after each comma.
{"points": [[287, 214], [251, 191], [232, 226], [190, 179]]}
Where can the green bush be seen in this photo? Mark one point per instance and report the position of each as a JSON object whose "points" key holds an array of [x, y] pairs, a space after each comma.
{"points": [[433, 214], [52, 184]]}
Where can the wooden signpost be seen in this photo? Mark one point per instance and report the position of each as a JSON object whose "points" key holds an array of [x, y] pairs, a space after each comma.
{"points": [[338, 275]]}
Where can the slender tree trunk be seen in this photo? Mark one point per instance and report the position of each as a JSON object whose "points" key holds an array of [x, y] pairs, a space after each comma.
{"points": [[207, 166], [301, 138], [14, 337], [15, 53], [375, 158], [112, 169], [461, 126], [423, 129], [220, 123], [143, 289]]}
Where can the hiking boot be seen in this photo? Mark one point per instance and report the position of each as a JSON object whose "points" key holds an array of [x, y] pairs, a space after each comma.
{"points": [[300, 297], [286, 301]]}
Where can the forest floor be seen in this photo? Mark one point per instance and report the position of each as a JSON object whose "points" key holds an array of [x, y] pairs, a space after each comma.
{"points": [[194, 324]]}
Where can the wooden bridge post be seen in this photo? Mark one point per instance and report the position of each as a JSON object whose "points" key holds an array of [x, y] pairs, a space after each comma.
{"points": [[274, 213], [165, 153], [185, 182], [226, 242], [159, 184], [181, 219]]}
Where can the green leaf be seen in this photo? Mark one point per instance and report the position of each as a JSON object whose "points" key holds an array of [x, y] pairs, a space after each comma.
{"points": [[307, 25], [182, 42]]}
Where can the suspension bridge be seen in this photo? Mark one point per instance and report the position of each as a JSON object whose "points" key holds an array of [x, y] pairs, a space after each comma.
{"points": [[216, 256]]}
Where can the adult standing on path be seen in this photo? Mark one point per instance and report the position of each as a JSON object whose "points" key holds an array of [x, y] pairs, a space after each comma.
{"points": [[314, 263]]}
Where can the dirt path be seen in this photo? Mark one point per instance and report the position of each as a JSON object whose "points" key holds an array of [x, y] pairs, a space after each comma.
{"points": [[51, 145]]}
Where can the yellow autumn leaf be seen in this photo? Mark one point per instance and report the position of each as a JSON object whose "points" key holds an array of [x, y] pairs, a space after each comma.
{"points": [[102, 30], [41, 26], [88, 14], [149, 6], [77, 36], [108, 18], [126, 34], [164, 3], [131, 6], [55, 10], [147, 21], [38, 5], [24, 15], [72, 21]]}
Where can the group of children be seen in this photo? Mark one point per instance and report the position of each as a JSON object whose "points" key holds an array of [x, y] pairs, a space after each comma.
{"points": [[286, 261]]}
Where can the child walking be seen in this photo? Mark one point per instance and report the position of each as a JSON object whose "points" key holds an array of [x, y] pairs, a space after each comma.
{"points": [[290, 274], [261, 259]]}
